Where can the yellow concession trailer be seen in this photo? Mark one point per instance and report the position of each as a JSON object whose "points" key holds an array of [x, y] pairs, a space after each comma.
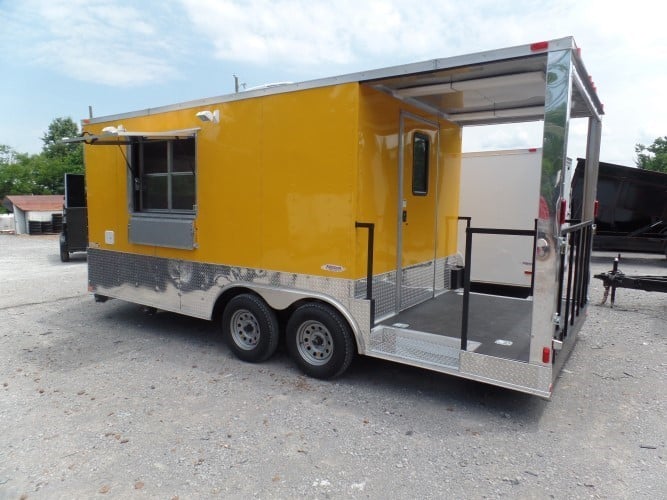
{"points": [[326, 212]]}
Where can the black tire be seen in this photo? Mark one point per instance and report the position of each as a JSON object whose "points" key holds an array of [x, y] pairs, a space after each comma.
{"points": [[319, 340], [64, 251], [250, 328]]}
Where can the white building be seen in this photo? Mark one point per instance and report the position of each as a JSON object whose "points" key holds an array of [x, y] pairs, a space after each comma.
{"points": [[36, 211]]}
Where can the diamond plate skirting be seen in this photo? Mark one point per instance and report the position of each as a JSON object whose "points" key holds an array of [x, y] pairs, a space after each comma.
{"points": [[192, 288], [524, 377], [384, 292], [418, 285], [422, 349]]}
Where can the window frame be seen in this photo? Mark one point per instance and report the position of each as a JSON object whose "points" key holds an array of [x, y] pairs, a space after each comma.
{"points": [[424, 165], [138, 182]]}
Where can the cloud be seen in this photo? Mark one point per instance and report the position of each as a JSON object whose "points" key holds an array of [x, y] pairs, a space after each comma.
{"points": [[92, 41], [264, 32], [311, 33], [302, 33], [152, 42]]}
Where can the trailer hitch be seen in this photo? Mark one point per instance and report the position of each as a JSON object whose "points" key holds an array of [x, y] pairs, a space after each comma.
{"points": [[618, 279]]}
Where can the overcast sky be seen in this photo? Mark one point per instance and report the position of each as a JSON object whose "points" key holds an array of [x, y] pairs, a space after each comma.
{"points": [[57, 57]]}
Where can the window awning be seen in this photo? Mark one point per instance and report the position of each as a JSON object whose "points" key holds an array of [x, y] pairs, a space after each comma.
{"points": [[118, 136]]}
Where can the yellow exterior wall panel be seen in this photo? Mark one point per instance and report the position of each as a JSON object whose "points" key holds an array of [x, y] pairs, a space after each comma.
{"points": [[282, 179], [309, 180], [106, 175], [275, 182], [378, 192], [449, 187], [229, 197]]}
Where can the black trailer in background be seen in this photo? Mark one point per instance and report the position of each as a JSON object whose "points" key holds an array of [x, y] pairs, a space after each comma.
{"points": [[632, 212], [74, 237]]}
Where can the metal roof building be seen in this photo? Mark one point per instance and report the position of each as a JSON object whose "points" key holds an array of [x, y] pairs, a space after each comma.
{"points": [[36, 214]]}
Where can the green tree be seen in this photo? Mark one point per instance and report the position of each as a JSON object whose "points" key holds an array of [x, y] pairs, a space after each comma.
{"points": [[15, 177], [42, 173], [653, 157], [49, 173], [61, 128], [7, 155], [57, 158]]}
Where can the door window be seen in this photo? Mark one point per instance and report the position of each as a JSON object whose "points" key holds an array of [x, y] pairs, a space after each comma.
{"points": [[420, 153]]}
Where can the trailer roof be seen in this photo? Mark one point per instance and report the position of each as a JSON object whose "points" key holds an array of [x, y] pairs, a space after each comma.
{"points": [[497, 86]]}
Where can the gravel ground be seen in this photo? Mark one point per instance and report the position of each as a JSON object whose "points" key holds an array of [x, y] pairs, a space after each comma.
{"points": [[103, 400]]}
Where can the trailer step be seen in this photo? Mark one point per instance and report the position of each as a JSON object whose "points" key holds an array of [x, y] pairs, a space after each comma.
{"points": [[419, 348]]}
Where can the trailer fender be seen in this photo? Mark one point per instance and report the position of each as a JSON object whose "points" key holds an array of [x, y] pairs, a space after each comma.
{"points": [[282, 298]]}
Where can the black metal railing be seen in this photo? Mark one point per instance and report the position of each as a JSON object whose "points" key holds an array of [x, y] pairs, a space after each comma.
{"points": [[577, 254], [369, 265], [468, 265]]}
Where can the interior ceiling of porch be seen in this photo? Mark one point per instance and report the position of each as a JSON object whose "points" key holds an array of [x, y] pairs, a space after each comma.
{"points": [[505, 91]]}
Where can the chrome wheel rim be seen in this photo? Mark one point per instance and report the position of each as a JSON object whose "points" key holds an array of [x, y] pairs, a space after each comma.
{"points": [[314, 342], [245, 329]]}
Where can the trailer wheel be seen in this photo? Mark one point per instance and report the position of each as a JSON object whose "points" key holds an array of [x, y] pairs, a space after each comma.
{"points": [[250, 328], [64, 251], [319, 340]]}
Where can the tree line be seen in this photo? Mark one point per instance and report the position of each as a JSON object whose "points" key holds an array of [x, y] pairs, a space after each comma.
{"points": [[653, 157], [42, 173]]}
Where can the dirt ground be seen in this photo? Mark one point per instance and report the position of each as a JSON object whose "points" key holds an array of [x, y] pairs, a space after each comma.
{"points": [[104, 400]]}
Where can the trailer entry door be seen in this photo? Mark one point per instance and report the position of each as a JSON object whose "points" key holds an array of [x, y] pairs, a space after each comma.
{"points": [[418, 171]]}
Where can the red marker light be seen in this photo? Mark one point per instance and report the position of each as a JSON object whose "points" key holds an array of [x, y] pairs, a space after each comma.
{"points": [[590, 79], [596, 208], [532, 150], [534, 47], [546, 355]]}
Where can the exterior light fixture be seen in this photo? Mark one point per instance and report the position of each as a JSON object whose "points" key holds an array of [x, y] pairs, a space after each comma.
{"points": [[209, 116], [113, 130]]}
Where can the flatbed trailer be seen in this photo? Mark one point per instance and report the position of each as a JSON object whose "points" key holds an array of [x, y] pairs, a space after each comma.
{"points": [[325, 214]]}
